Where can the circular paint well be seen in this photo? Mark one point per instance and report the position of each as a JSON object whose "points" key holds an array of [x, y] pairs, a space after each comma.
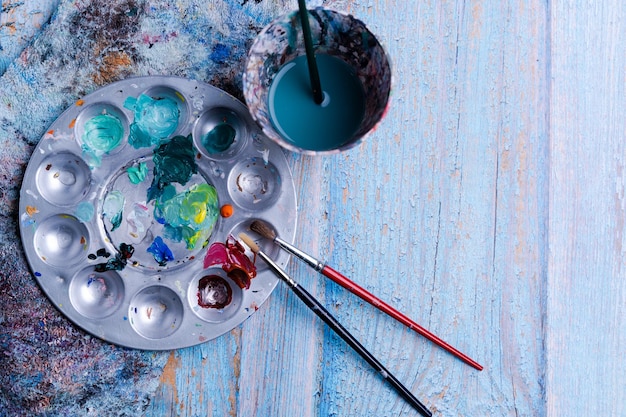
{"points": [[101, 129], [156, 312], [254, 184], [96, 294], [219, 133], [158, 114], [61, 240], [63, 179], [208, 295]]}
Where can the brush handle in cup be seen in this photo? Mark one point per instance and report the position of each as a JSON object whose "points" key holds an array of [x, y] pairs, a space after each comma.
{"points": [[316, 86], [334, 324]]}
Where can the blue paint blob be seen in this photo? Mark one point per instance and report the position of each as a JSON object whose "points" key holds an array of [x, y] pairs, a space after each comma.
{"points": [[162, 254]]}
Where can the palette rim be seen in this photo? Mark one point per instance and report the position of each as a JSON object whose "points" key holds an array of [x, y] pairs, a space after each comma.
{"points": [[136, 281]]}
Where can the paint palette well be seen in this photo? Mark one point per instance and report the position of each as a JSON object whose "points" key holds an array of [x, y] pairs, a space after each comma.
{"points": [[126, 194]]}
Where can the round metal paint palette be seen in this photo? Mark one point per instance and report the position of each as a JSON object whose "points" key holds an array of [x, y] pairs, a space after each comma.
{"points": [[126, 193]]}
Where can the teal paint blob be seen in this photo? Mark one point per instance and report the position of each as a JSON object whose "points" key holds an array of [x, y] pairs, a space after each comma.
{"points": [[219, 139], [102, 134], [188, 216], [174, 162], [113, 207], [162, 254], [155, 119], [137, 174], [85, 211], [310, 126]]}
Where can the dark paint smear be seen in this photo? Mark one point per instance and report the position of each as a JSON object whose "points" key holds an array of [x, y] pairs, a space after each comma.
{"points": [[174, 161], [99, 253], [214, 292], [118, 262], [231, 255]]}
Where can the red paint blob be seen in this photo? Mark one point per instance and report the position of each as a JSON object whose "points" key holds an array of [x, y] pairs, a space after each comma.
{"points": [[232, 257]]}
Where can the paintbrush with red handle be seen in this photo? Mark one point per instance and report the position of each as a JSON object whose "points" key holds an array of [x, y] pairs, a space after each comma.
{"points": [[267, 232]]}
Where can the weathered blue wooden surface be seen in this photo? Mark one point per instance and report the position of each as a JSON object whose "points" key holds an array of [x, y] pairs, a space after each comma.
{"points": [[489, 206], [586, 297], [442, 212]]}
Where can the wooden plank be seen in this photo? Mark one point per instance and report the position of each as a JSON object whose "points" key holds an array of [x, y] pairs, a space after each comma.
{"points": [[586, 326]]}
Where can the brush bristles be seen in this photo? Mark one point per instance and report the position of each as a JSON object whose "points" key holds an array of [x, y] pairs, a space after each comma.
{"points": [[263, 229], [248, 241]]}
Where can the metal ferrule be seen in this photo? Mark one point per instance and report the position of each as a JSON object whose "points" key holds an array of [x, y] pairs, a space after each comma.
{"points": [[315, 263]]}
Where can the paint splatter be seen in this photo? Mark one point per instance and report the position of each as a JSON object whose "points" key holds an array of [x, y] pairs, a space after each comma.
{"points": [[214, 292], [137, 173], [219, 139], [113, 207], [174, 162], [189, 216], [232, 257], [85, 211], [102, 252], [265, 153], [155, 119], [31, 210], [118, 262], [103, 133], [162, 254]]}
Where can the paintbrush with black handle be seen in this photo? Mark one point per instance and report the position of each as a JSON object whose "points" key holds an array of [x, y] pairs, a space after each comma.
{"points": [[332, 322]]}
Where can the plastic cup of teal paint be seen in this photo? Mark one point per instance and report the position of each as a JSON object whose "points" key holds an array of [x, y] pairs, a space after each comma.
{"points": [[355, 74]]}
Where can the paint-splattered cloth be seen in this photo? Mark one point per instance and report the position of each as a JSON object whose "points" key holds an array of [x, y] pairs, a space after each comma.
{"points": [[48, 366]]}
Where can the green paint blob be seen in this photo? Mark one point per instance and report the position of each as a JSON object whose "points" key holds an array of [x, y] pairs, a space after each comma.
{"points": [[102, 134], [155, 119], [306, 124], [113, 207], [188, 216], [219, 138], [174, 162], [137, 174]]}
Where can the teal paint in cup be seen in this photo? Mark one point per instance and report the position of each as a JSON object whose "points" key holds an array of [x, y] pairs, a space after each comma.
{"points": [[355, 74]]}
